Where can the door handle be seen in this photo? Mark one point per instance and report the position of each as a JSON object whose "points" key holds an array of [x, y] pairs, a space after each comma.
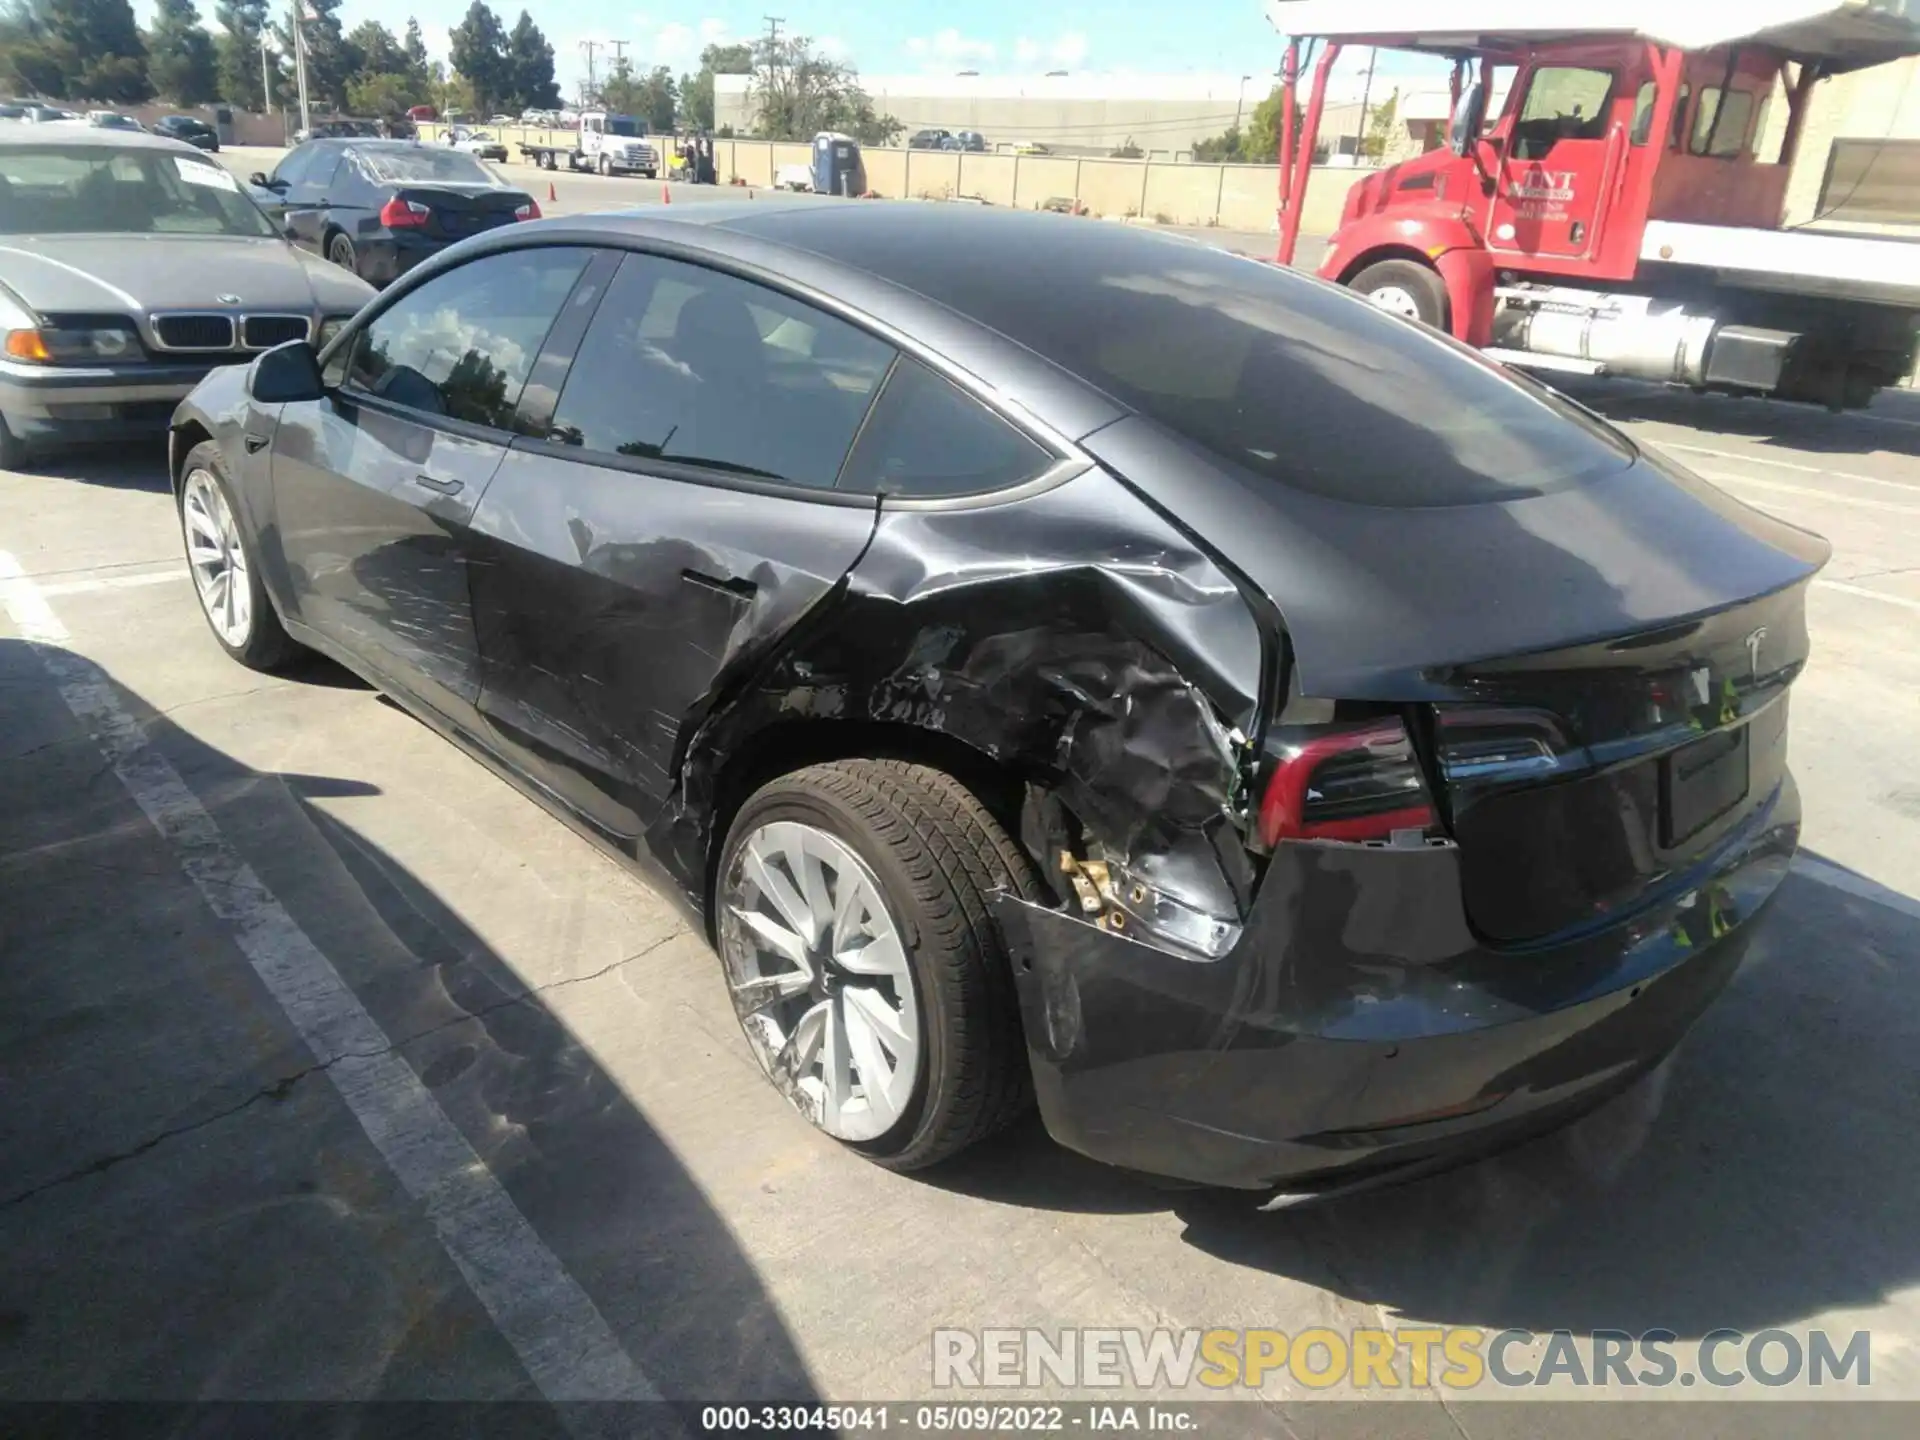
{"points": [[435, 482], [255, 443]]}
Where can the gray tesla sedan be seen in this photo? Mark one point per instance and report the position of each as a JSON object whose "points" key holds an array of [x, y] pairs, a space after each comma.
{"points": [[1054, 663], [130, 266]]}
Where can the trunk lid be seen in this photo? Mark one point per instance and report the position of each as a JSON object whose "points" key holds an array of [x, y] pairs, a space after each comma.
{"points": [[455, 212], [1576, 782], [1596, 675]]}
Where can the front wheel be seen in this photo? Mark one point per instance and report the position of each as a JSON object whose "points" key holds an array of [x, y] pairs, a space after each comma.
{"points": [[1405, 288], [341, 252], [226, 578], [869, 976], [606, 166]]}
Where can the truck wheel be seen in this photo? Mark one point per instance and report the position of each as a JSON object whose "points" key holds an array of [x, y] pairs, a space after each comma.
{"points": [[606, 166], [546, 160], [867, 971], [1405, 288]]}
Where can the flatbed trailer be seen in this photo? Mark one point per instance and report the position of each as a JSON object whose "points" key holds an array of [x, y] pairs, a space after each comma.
{"points": [[1623, 212]]}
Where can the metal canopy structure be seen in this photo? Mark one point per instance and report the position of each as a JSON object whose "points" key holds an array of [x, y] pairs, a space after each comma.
{"points": [[1849, 35]]}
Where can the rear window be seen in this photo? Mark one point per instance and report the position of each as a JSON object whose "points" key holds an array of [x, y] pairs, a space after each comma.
{"points": [[424, 165], [1296, 380]]}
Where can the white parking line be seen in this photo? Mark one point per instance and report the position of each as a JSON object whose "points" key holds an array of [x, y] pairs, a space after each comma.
{"points": [[1721, 477], [561, 1337], [1864, 593], [1907, 486], [111, 582]]}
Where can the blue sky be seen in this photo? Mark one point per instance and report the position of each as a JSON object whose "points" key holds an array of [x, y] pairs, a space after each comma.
{"points": [[996, 37]]}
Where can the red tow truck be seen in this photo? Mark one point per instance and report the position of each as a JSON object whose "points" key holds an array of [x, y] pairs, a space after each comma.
{"points": [[1622, 213]]}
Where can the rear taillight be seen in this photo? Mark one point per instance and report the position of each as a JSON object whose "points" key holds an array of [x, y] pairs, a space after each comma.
{"points": [[1355, 782], [399, 214], [528, 211]]}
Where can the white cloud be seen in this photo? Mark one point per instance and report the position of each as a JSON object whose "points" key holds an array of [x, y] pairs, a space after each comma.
{"points": [[1063, 52], [950, 45], [1068, 49], [831, 46], [713, 32]]}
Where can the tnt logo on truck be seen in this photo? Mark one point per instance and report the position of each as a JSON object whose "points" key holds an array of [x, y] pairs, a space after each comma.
{"points": [[1542, 194]]}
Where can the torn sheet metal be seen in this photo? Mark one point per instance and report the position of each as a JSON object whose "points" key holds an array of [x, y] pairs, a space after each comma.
{"points": [[1073, 636]]}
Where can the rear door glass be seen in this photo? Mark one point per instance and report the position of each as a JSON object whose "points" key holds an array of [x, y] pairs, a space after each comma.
{"points": [[929, 439], [702, 368]]}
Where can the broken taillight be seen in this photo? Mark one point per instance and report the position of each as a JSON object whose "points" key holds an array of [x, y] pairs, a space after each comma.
{"points": [[1355, 782]]}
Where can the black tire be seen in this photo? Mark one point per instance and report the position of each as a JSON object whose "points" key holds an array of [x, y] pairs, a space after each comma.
{"points": [[938, 854], [341, 252], [268, 646], [13, 451], [546, 159], [605, 166], [1418, 282]]}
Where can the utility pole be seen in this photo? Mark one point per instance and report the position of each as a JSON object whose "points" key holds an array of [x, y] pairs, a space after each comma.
{"points": [[266, 82], [592, 90], [1239, 102], [296, 15], [1366, 94], [771, 92], [619, 48]]}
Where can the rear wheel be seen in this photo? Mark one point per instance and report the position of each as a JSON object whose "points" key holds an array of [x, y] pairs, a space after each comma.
{"points": [[1405, 288], [225, 577], [869, 976], [341, 252]]}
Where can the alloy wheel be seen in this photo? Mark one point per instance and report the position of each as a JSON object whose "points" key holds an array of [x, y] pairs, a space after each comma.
{"points": [[218, 559], [820, 979]]}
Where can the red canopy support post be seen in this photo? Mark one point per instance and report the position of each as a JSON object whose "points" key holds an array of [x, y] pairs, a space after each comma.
{"points": [[1303, 156], [1289, 86]]}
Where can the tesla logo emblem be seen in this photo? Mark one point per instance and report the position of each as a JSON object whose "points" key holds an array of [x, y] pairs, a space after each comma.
{"points": [[1753, 649], [228, 299]]}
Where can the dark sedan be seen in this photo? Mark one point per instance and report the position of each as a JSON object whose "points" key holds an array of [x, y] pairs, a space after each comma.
{"points": [[1054, 663], [196, 133], [380, 207]]}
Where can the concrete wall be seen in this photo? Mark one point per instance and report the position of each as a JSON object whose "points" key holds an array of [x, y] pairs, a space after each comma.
{"points": [[1872, 105], [1236, 197]]}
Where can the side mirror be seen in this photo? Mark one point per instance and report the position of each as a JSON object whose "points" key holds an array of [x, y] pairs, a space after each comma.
{"points": [[1469, 118], [286, 374]]}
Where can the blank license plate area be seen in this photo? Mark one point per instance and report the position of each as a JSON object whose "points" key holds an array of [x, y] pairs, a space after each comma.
{"points": [[1701, 783]]}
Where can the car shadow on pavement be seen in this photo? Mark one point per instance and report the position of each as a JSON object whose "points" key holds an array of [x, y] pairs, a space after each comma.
{"points": [[191, 1209], [128, 465], [1892, 424], [1759, 1177]]}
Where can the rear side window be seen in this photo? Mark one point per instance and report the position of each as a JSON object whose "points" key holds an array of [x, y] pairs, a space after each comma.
{"points": [[928, 439], [1720, 129], [462, 345], [698, 367]]}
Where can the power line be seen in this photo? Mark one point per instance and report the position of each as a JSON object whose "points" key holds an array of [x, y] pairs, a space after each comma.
{"points": [[590, 46]]}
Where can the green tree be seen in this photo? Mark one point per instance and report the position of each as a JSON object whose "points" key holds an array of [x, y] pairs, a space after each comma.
{"points": [[451, 92], [415, 48], [1381, 127], [332, 60], [237, 50], [696, 91], [375, 93], [83, 50], [1223, 148], [798, 92], [181, 61], [478, 47], [529, 68]]}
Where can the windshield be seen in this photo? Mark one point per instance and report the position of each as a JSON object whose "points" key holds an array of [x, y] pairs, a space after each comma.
{"points": [[624, 125], [432, 166], [92, 190]]}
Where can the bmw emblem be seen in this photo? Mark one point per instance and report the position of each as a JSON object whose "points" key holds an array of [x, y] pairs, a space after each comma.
{"points": [[228, 299]]}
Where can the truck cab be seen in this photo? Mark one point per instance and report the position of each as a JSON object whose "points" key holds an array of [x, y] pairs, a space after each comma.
{"points": [[615, 144], [1612, 194]]}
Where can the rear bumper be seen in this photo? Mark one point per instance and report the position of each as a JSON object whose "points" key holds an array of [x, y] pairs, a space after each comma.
{"points": [[386, 257], [1358, 1027], [46, 404]]}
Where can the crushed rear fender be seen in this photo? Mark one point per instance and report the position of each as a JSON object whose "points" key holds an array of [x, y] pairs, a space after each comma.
{"points": [[1073, 638]]}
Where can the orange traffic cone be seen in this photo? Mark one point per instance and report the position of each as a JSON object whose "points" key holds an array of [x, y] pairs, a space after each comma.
{"points": [[666, 195], [551, 196]]}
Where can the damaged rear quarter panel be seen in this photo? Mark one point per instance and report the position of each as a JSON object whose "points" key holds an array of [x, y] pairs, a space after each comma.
{"points": [[1073, 637]]}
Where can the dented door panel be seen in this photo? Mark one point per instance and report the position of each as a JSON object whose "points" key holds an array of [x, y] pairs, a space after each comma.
{"points": [[1072, 635], [612, 604]]}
